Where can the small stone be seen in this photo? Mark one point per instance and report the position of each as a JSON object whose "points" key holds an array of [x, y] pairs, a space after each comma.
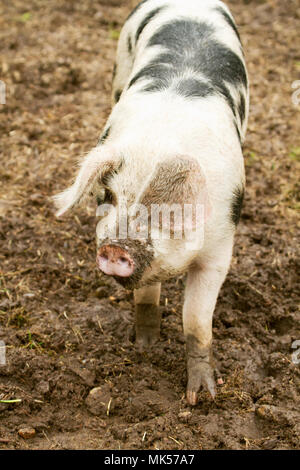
{"points": [[17, 76], [5, 67], [27, 433], [46, 79], [99, 401], [98, 15], [29, 295], [184, 415], [37, 198], [261, 411]]}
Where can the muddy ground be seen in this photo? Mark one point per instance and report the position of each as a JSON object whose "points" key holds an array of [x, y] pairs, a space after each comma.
{"points": [[66, 329]]}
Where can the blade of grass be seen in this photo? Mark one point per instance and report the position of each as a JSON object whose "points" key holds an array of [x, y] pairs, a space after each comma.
{"points": [[17, 400]]}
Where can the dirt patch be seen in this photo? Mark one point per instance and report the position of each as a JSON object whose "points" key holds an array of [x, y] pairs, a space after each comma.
{"points": [[67, 330]]}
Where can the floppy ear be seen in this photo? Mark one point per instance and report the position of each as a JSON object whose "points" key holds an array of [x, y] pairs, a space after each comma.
{"points": [[178, 187], [178, 180], [94, 167]]}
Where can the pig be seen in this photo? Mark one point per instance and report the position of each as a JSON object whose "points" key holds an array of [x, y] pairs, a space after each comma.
{"points": [[180, 103]]}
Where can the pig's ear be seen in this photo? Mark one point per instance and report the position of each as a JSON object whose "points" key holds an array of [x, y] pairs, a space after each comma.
{"points": [[178, 180], [94, 167]]}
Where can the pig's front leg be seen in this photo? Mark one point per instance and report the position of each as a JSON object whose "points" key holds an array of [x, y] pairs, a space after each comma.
{"points": [[202, 288], [147, 315]]}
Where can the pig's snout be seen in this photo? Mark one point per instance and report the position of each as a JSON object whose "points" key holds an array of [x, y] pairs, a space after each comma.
{"points": [[115, 261]]}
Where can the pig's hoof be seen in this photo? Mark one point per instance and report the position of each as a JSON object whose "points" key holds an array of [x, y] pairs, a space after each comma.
{"points": [[200, 374]]}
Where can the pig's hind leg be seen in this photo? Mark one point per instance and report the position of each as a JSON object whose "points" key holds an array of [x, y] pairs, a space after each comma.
{"points": [[204, 281], [147, 315]]}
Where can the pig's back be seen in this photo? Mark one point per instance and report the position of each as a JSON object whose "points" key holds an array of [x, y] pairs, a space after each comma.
{"points": [[189, 48]]}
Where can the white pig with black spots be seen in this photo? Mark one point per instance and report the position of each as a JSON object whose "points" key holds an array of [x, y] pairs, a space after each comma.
{"points": [[173, 139]]}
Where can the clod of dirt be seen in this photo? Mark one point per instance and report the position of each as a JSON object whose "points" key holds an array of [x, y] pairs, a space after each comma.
{"points": [[269, 444], [278, 414], [27, 433], [86, 375], [102, 292], [43, 387], [99, 400]]}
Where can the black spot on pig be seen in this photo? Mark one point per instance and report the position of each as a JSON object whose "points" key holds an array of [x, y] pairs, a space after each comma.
{"points": [[157, 71], [236, 204], [129, 45], [238, 131], [228, 20], [117, 95], [242, 108], [104, 136], [146, 20], [114, 71], [191, 47], [194, 43], [193, 88], [223, 90]]}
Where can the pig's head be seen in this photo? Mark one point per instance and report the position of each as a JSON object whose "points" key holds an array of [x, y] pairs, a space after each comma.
{"points": [[130, 193]]}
